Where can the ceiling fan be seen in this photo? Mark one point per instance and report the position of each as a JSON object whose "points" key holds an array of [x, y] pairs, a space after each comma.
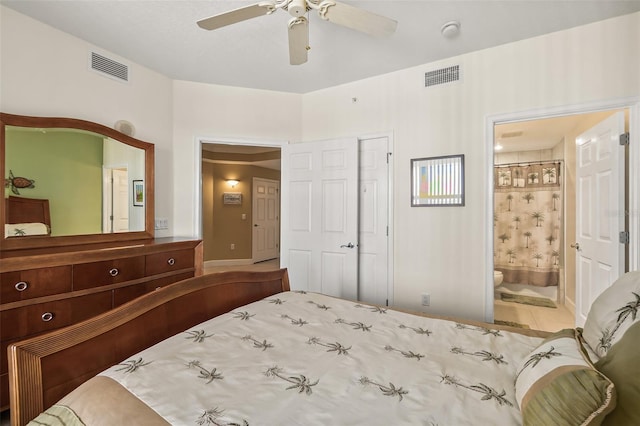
{"points": [[329, 10]]}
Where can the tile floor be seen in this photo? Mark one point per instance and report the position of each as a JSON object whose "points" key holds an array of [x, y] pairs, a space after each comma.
{"points": [[536, 317]]}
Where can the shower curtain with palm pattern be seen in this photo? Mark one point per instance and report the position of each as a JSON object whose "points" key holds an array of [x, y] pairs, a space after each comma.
{"points": [[528, 222]]}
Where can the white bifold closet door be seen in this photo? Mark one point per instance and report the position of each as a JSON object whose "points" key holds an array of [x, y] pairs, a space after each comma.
{"points": [[320, 221]]}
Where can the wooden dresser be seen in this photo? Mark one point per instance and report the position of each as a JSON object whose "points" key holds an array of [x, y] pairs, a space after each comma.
{"points": [[47, 288]]}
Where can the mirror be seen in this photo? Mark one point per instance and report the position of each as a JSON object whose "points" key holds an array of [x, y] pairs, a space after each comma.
{"points": [[97, 183]]}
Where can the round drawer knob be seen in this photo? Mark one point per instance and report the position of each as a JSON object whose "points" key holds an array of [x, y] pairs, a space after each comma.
{"points": [[113, 272], [21, 286], [47, 316], [171, 261]]}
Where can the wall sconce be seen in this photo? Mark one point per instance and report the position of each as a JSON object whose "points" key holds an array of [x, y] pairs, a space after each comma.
{"points": [[232, 182]]}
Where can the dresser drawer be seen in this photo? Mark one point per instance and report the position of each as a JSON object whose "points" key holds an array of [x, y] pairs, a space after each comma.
{"points": [[125, 294], [40, 317], [95, 274], [21, 285], [168, 261]]}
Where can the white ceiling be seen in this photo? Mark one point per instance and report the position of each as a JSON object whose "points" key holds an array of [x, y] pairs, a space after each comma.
{"points": [[534, 135], [163, 35]]}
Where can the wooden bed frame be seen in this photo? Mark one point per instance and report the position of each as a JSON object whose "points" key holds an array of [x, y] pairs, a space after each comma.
{"points": [[27, 210], [45, 368]]}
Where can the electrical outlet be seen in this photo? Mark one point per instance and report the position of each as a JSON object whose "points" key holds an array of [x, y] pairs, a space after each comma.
{"points": [[233, 246], [161, 223], [426, 299]]}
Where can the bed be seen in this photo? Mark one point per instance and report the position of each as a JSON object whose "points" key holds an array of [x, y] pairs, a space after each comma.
{"points": [[240, 348], [26, 217]]}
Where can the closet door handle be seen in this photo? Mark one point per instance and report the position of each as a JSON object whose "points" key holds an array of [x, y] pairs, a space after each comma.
{"points": [[576, 246]]}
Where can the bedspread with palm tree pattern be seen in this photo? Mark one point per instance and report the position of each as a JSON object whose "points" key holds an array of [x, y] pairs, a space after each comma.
{"points": [[300, 358]]}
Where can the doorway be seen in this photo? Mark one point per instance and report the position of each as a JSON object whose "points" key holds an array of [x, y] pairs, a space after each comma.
{"points": [[528, 144], [238, 178]]}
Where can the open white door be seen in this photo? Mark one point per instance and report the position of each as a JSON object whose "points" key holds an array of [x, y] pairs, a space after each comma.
{"points": [[373, 272], [266, 219], [120, 200], [600, 194], [115, 199], [320, 216]]}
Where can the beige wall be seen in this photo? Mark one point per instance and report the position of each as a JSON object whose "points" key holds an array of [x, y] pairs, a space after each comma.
{"points": [[222, 223], [217, 113], [443, 251], [30, 84]]}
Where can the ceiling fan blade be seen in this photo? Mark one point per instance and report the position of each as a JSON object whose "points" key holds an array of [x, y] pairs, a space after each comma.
{"points": [[298, 40], [356, 19], [237, 15]]}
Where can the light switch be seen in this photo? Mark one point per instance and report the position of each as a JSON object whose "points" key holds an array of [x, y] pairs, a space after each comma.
{"points": [[244, 216]]}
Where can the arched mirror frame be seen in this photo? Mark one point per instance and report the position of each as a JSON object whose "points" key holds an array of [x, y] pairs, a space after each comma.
{"points": [[72, 123]]}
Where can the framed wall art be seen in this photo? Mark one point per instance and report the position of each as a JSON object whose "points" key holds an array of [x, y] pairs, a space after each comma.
{"points": [[232, 198], [138, 193], [437, 181]]}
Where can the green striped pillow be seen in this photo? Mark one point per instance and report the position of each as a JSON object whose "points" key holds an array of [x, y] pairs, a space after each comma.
{"points": [[557, 385]]}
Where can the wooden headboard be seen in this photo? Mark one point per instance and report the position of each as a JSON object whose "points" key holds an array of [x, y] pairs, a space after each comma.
{"points": [[45, 368], [27, 210]]}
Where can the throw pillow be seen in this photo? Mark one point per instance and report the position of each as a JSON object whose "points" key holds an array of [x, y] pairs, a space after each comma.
{"points": [[557, 385]]}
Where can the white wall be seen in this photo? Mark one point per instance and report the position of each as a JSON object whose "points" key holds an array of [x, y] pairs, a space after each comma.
{"points": [[204, 111], [442, 251], [45, 72]]}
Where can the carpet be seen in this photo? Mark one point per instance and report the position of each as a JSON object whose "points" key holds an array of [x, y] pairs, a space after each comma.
{"points": [[528, 300], [511, 324]]}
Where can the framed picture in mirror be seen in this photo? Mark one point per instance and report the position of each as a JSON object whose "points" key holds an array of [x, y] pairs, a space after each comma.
{"points": [[138, 193]]}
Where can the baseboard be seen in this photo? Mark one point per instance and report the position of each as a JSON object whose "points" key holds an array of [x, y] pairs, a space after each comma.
{"points": [[227, 262]]}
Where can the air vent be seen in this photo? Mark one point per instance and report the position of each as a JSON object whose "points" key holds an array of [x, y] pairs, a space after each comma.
{"points": [[511, 134], [442, 76], [109, 67]]}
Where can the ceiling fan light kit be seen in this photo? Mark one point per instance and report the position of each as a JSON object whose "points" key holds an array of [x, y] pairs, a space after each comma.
{"points": [[298, 27]]}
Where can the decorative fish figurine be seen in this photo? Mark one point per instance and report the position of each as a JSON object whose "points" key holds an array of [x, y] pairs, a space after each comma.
{"points": [[16, 183]]}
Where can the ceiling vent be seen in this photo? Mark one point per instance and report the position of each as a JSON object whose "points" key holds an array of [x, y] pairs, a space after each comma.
{"points": [[515, 134], [109, 67], [442, 76]]}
